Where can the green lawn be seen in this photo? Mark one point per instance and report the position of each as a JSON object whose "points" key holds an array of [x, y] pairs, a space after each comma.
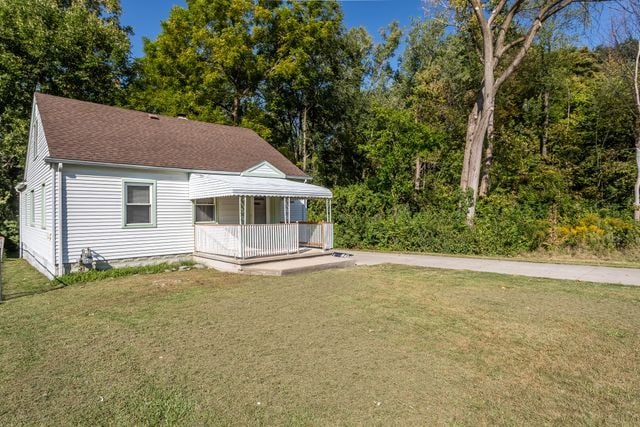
{"points": [[383, 345]]}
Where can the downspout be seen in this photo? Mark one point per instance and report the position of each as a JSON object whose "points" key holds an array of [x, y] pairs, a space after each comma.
{"points": [[21, 209], [54, 219], [60, 270], [20, 222]]}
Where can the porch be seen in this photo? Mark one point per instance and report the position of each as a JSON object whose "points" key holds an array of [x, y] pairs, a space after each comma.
{"points": [[251, 241], [241, 219]]}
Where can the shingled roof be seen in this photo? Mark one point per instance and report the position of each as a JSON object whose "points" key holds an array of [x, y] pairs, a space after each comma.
{"points": [[84, 131]]}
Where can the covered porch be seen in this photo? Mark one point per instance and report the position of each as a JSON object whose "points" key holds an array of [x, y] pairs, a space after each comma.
{"points": [[247, 218]]}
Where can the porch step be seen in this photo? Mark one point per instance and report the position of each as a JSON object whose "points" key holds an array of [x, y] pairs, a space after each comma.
{"points": [[304, 253], [299, 265]]}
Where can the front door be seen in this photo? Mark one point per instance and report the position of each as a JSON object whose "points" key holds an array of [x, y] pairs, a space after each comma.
{"points": [[259, 210]]}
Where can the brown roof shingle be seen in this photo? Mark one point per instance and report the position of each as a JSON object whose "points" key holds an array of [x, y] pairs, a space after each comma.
{"points": [[79, 130]]}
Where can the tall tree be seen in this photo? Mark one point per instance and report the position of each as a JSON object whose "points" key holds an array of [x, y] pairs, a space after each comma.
{"points": [[314, 68], [504, 31], [204, 63], [77, 49]]}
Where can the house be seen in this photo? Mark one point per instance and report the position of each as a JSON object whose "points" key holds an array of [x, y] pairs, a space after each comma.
{"points": [[108, 186]]}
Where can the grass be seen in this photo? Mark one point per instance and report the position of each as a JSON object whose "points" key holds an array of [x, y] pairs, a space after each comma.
{"points": [[22, 280], [382, 345]]}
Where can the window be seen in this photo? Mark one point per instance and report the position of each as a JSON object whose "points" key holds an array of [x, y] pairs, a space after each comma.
{"points": [[32, 208], [43, 216], [139, 204], [205, 210]]}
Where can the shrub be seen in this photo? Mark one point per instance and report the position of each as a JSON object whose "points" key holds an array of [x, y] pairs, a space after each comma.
{"points": [[599, 234]]}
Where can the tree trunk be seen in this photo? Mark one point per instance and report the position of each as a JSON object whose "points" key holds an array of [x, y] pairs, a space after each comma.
{"points": [[235, 111], [485, 181], [636, 192], [636, 86], [305, 137], [545, 125], [477, 127], [494, 27], [417, 180]]}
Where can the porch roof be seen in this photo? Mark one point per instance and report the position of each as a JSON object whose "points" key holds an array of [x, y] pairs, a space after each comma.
{"points": [[203, 186]]}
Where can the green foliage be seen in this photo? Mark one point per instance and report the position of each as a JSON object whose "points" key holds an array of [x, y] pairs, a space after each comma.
{"points": [[204, 63], [94, 275], [598, 234], [364, 219], [76, 49]]}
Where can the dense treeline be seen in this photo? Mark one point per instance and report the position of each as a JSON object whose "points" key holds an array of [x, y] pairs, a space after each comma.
{"points": [[384, 127]]}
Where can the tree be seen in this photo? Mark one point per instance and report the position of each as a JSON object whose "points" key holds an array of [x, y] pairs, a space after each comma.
{"points": [[504, 33], [313, 79], [204, 63], [634, 9], [76, 49], [434, 80]]}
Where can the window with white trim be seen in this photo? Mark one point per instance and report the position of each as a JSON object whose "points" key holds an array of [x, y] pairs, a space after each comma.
{"points": [[43, 216], [139, 204], [205, 210]]}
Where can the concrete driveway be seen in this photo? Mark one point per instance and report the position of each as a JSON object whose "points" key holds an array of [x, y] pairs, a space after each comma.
{"points": [[586, 273]]}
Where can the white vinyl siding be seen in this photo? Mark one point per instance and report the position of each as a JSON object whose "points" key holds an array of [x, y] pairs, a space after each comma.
{"points": [[93, 216], [228, 210], [37, 208], [264, 169]]}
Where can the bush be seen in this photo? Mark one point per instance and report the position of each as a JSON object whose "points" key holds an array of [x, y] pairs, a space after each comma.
{"points": [[598, 234], [367, 220]]}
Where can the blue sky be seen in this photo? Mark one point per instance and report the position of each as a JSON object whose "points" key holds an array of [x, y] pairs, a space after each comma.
{"points": [[145, 16]]}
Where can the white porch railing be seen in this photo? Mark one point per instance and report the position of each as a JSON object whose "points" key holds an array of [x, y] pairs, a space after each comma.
{"points": [[218, 239], [318, 235], [261, 240]]}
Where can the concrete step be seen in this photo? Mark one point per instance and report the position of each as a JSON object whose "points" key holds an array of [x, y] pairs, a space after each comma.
{"points": [[300, 265]]}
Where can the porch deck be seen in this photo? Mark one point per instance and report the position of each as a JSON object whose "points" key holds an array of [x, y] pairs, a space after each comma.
{"points": [[242, 243]]}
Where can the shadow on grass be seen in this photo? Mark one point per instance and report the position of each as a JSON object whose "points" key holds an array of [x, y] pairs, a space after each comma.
{"points": [[22, 280], [55, 285]]}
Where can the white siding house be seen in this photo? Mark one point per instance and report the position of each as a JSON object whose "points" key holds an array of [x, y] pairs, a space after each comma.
{"points": [[36, 201], [105, 187]]}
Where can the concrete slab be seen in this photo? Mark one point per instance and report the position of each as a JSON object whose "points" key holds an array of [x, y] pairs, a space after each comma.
{"points": [[300, 265], [586, 273], [304, 253]]}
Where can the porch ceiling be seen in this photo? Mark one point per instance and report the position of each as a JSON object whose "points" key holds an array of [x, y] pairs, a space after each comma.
{"points": [[203, 186]]}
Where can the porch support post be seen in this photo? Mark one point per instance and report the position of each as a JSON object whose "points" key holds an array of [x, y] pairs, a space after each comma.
{"points": [[330, 213], [287, 209], [244, 211], [326, 210]]}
